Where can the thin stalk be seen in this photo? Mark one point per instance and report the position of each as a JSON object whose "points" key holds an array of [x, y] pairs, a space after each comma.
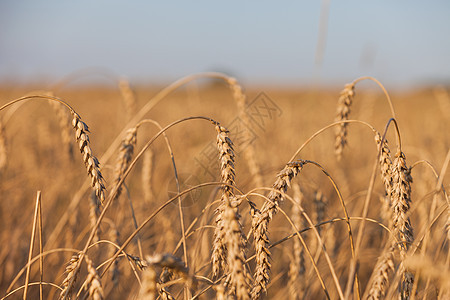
{"points": [[30, 253], [41, 257]]}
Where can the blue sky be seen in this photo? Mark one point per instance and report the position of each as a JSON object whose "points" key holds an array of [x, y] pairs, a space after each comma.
{"points": [[399, 42]]}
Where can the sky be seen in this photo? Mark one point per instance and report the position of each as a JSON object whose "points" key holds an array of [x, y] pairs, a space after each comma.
{"points": [[298, 43]]}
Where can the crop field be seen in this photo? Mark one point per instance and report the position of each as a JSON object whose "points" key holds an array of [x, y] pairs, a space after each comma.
{"points": [[208, 189]]}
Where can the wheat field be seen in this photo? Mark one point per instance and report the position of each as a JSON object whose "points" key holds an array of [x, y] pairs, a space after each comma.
{"points": [[206, 189]]}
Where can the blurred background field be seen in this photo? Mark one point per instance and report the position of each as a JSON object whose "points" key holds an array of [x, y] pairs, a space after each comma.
{"points": [[110, 60]]}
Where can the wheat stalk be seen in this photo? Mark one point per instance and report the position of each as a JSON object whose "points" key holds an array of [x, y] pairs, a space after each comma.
{"points": [[94, 212]]}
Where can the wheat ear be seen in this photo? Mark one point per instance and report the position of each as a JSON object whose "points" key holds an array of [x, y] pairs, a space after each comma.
{"points": [[69, 275], [384, 266], [148, 289], [90, 161], [115, 237], [128, 98], [297, 266], [260, 223], [64, 124], [385, 162], [249, 151], [235, 244], [147, 172], [93, 281], [226, 160], [343, 110], [401, 201], [229, 241], [124, 158]]}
